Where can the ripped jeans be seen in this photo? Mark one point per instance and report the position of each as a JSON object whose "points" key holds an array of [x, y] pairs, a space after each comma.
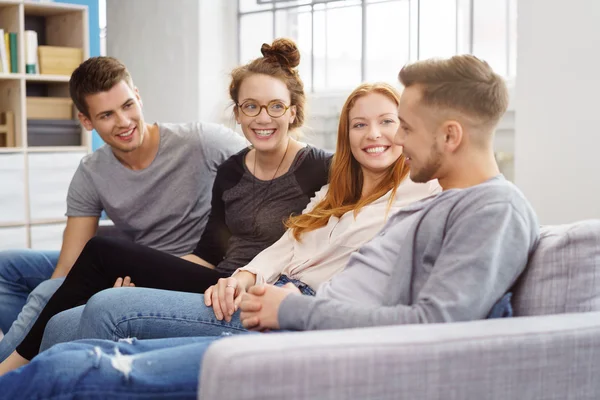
{"points": [[144, 313], [100, 369]]}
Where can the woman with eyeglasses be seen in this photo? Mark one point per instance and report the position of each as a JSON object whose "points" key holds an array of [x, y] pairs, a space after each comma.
{"points": [[254, 192], [369, 182]]}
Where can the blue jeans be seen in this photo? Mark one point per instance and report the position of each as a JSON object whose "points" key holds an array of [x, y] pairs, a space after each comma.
{"points": [[99, 369], [142, 313], [24, 291]]}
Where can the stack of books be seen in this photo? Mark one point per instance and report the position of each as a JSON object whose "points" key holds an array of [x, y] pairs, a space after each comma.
{"points": [[9, 61]]}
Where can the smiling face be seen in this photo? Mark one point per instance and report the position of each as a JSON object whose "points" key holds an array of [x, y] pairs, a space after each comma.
{"points": [[423, 145], [264, 132], [116, 115], [373, 123]]}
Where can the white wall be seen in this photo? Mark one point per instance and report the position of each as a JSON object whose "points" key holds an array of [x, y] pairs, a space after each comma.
{"points": [[217, 57], [558, 108], [178, 53]]}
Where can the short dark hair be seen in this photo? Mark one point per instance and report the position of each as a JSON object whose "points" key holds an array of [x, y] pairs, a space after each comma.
{"points": [[95, 75]]}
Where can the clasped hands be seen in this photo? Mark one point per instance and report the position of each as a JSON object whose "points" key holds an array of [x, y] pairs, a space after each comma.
{"points": [[259, 304]]}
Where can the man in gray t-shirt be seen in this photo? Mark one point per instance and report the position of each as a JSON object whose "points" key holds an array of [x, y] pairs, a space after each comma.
{"points": [[153, 181]]}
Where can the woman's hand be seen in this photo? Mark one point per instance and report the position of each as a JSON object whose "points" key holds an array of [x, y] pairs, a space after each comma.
{"points": [[123, 282], [225, 296]]}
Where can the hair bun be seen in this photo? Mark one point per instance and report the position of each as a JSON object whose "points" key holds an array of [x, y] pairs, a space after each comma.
{"points": [[283, 51]]}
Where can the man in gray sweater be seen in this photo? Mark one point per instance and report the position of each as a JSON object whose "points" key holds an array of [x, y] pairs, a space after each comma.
{"points": [[446, 258]]}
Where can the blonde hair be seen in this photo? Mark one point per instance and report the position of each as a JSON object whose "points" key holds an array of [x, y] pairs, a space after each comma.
{"points": [[346, 177], [463, 83]]}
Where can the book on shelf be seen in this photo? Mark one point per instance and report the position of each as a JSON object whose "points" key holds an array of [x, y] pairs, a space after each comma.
{"points": [[4, 53], [7, 46], [31, 50], [14, 60]]}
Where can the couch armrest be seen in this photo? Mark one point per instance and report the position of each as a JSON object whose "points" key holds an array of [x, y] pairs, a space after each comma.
{"points": [[549, 357]]}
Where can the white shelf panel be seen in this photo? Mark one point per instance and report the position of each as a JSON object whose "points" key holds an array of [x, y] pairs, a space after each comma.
{"points": [[49, 177], [47, 237], [13, 238], [57, 149], [12, 188], [46, 78]]}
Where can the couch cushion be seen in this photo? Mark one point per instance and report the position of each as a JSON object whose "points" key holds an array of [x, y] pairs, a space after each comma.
{"points": [[563, 274]]}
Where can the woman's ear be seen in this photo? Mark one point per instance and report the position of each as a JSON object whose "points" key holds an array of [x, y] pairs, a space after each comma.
{"points": [[292, 114], [236, 112]]}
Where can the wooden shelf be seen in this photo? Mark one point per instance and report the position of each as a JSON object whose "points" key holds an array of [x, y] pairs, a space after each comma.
{"points": [[6, 76], [57, 24], [57, 149], [49, 221], [50, 9], [46, 78], [16, 224], [8, 150], [4, 3]]}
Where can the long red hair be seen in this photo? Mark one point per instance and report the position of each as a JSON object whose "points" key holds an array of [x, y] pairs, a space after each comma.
{"points": [[345, 175]]}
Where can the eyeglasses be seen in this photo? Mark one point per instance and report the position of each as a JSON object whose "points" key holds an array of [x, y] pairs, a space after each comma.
{"points": [[275, 108]]}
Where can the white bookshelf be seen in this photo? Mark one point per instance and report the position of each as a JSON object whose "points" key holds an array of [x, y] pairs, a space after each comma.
{"points": [[34, 180]]}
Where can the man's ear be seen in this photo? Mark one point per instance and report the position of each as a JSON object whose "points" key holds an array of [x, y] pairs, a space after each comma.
{"points": [[138, 97], [453, 135], [85, 121]]}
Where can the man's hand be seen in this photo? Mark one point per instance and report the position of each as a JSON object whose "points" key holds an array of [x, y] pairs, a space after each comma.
{"points": [[260, 306], [124, 282]]}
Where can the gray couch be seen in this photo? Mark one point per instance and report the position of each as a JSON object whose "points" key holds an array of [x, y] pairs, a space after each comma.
{"points": [[551, 351]]}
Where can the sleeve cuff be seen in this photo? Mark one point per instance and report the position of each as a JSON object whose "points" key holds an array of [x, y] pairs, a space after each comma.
{"points": [[293, 312]]}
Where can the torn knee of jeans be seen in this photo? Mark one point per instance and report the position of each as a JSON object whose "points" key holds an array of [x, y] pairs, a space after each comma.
{"points": [[226, 334], [121, 363], [128, 340]]}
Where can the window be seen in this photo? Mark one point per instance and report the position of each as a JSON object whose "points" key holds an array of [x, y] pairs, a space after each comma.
{"points": [[102, 18], [344, 42]]}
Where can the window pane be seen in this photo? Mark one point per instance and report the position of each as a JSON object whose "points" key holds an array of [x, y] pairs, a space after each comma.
{"points": [[387, 40], [252, 5], [338, 48], [437, 28], [279, 3], [490, 33], [512, 38], [296, 25], [255, 29]]}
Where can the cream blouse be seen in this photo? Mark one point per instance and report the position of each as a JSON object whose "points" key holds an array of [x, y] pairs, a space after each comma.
{"points": [[324, 252]]}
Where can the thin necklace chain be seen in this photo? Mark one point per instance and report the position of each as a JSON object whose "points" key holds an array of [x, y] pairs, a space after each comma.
{"points": [[267, 190]]}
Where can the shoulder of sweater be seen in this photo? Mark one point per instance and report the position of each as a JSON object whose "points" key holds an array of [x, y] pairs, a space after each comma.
{"points": [[496, 192]]}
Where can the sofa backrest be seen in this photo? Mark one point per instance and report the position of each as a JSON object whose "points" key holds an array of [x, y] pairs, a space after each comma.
{"points": [[563, 274]]}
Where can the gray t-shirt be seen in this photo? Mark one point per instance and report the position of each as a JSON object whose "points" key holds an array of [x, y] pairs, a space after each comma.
{"points": [[443, 259], [166, 205]]}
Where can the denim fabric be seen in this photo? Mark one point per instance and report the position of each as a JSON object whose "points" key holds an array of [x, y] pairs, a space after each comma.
{"points": [[24, 291], [63, 327], [98, 369], [304, 288], [143, 313], [503, 308]]}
